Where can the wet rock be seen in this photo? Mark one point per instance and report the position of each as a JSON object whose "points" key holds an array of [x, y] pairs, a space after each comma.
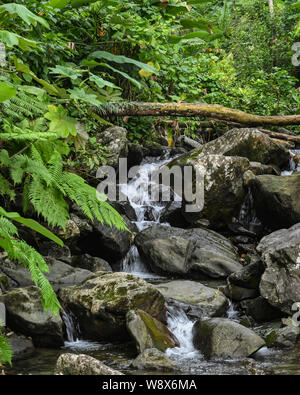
{"points": [[259, 169], [223, 192], [83, 365], [84, 225], [135, 155], [284, 337], [188, 252], [70, 233], [91, 263], [196, 299], [102, 302], [249, 143], [115, 139], [280, 283], [148, 332], [26, 315], [220, 337], [276, 199], [236, 293], [107, 242], [260, 310], [22, 347], [53, 250], [249, 276], [154, 149], [153, 359]]}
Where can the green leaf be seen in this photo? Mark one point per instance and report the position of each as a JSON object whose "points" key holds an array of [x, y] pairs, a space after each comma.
{"points": [[6, 92], [58, 3], [27, 16], [80, 94], [125, 75], [61, 123], [66, 71], [121, 60], [32, 224], [101, 83], [12, 39]]}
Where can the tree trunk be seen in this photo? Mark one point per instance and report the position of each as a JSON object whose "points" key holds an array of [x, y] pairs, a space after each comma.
{"points": [[212, 111], [271, 7]]}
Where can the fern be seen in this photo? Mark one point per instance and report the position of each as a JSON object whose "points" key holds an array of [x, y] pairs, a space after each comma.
{"points": [[5, 349], [23, 105]]}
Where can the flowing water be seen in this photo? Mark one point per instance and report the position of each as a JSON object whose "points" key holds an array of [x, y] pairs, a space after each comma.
{"points": [[293, 165], [190, 360]]}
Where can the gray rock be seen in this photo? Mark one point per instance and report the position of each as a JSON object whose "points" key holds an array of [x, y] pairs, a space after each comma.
{"points": [[153, 359], [236, 293], [22, 347], [115, 139], [148, 332], [83, 365], [280, 283], [223, 185], [189, 252], [276, 199], [249, 143], [249, 276], [196, 299], [284, 337], [102, 302], [220, 337], [260, 310], [91, 263], [70, 233], [26, 315]]}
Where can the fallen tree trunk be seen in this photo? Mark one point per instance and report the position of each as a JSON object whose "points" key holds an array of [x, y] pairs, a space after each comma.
{"points": [[214, 111], [283, 136]]}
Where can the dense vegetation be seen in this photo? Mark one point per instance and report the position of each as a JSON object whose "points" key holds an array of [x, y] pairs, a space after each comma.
{"points": [[61, 58]]}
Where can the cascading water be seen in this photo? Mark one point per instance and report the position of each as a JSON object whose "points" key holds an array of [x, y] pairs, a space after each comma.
{"points": [[293, 165]]}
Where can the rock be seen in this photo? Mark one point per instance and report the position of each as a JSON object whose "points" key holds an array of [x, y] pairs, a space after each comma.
{"points": [[84, 225], [280, 283], [135, 155], [102, 302], [153, 359], [236, 293], [61, 274], [188, 143], [83, 365], [223, 192], [284, 337], [53, 250], [107, 242], [249, 276], [276, 199], [70, 233], [26, 315], [115, 139], [147, 332], [221, 337], [187, 252], [249, 143], [196, 299], [91, 263], [259, 169], [260, 310], [22, 347], [154, 149]]}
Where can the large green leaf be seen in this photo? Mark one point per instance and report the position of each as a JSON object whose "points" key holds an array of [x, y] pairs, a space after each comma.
{"points": [[80, 94], [101, 83], [32, 224], [27, 16], [12, 39], [61, 123], [121, 60], [6, 92], [58, 3]]}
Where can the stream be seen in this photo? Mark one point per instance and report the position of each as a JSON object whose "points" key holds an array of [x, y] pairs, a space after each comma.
{"points": [[190, 360]]}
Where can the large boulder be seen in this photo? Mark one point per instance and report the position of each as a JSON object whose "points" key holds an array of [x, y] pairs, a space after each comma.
{"points": [[249, 143], [61, 274], [147, 332], [82, 365], [26, 315], [115, 139], [188, 252], [249, 276], [153, 359], [221, 189], [196, 299], [107, 242], [260, 310], [21, 347], [276, 199], [91, 263], [280, 283], [221, 337], [102, 302]]}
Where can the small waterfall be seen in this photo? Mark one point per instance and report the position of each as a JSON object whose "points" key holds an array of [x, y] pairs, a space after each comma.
{"points": [[231, 313], [247, 215], [293, 165], [72, 327], [132, 263], [181, 326]]}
